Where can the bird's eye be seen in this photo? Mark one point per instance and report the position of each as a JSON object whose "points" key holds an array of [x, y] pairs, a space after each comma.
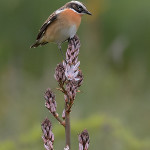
{"points": [[80, 8]]}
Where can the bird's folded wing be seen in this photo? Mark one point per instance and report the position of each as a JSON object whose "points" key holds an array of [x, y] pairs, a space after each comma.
{"points": [[50, 20]]}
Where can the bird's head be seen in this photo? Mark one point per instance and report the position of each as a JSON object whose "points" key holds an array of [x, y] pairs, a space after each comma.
{"points": [[78, 7]]}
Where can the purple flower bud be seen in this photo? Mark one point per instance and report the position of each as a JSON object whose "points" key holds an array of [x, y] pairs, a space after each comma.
{"points": [[63, 114], [84, 140], [48, 136], [50, 102], [73, 50], [60, 73], [71, 88], [80, 78]]}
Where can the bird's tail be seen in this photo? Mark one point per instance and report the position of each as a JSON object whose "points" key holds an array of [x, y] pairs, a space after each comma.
{"points": [[36, 44]]}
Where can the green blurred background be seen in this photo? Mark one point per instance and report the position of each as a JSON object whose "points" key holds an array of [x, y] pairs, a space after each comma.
{"points": [[114, 102]]}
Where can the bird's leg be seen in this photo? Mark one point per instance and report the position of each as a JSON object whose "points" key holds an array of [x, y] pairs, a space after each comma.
{"points": [[59, 47]]}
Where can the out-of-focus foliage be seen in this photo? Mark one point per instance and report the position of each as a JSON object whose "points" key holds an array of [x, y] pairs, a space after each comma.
{"points": [[115, 60], [105, 131]]}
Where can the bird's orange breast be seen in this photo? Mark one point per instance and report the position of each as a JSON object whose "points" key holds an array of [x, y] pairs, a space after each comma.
{"points": [[70, 17]]}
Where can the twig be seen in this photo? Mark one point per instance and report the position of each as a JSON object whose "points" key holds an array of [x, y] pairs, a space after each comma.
{"points": [[59, 120], [60, 89]]}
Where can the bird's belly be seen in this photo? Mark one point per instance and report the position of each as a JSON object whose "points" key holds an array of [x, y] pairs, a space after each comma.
{"points": [[59, 34], [66, 33]]}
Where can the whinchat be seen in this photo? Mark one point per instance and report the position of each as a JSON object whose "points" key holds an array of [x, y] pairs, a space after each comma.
{"points": [[62, 24]]}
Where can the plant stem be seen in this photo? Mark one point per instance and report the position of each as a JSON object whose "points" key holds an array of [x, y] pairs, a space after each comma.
{"points": [[59, 120], [67, 117], [67, 127]]}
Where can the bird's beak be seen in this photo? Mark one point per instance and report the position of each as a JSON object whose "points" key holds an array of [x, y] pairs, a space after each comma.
{"points": [[87, 12]]}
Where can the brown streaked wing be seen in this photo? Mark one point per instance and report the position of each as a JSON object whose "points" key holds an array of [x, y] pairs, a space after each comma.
{"points": [[50, 19]]}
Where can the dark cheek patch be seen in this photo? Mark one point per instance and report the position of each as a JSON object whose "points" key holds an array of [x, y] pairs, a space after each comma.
{"points": [[75, 7]]}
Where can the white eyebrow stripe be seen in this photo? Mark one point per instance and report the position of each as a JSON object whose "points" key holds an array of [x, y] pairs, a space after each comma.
{"points": [[79, 3], [61, 10]]}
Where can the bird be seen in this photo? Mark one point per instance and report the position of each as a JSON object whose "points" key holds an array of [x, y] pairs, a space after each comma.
{"points": [[62, 24]]}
